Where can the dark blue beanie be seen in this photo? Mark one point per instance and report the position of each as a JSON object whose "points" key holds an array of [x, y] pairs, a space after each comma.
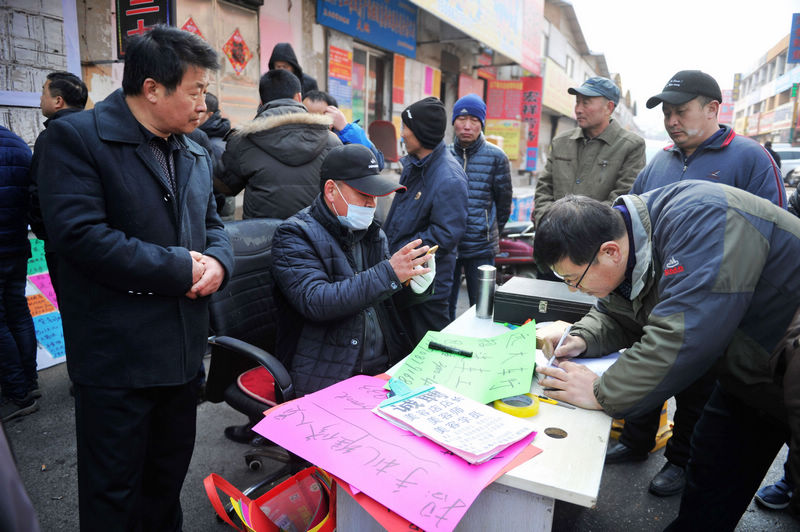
{"points": [[471, 104]]}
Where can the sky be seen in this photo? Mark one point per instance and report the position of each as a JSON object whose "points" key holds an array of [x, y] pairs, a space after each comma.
{"points": [[646, 42]]}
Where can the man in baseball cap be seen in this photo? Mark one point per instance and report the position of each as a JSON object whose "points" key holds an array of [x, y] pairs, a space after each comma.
{"points": [[703, 149], [336, 284], [599, 158]]}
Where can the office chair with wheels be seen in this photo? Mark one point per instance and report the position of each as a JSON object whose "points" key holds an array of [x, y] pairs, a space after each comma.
{"points": [[243, 373]]}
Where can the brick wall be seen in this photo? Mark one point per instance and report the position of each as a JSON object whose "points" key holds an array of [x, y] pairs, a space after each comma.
{"points": [[31, 46]]}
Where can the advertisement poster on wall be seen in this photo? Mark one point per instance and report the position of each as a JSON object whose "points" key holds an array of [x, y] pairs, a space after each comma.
{"points": [[531, 116], [340, 72], [503, 114]]}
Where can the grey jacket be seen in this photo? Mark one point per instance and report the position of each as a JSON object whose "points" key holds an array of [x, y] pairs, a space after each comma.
{"points": [[714, 285], [276, 159], [606, 168]]}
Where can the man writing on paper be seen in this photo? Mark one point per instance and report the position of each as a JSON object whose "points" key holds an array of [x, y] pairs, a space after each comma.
{"points": [[691, 276], [337, 287]]}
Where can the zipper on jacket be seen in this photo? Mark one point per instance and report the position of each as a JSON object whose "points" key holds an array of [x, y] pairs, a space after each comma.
{"points": [[465, 159], [486, 214]]}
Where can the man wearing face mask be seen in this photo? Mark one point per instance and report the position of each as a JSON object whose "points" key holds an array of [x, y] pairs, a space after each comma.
{"points": [[337, 288]]}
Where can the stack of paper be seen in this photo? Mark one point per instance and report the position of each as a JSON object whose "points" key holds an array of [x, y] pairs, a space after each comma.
{"points": [[467, 428]]}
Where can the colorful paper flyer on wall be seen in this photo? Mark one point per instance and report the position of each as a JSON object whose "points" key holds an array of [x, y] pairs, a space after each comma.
{"points": [[335, 429], [340, 72], [43, 306]]}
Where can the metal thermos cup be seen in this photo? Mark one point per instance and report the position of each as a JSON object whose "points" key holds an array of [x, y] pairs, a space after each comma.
{"points": [[484, 303]]}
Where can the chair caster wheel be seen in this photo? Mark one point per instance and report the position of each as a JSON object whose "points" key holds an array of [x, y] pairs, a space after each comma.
{"points": [[254, 464]]}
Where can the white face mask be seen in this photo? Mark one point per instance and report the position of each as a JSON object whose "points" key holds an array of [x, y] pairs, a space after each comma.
{"points": [[357, 217]]}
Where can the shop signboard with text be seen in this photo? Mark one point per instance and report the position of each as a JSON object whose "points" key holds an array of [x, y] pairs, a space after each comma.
{"points": [[135, 17], [390, 24], [503, 114]]}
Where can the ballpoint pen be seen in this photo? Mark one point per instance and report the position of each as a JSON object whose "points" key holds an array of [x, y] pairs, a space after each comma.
{"points": [[552, 401]]}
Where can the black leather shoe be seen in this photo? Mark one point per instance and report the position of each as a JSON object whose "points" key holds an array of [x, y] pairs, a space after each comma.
{"points": [[618, 453], [240, 433], [669, 481]]}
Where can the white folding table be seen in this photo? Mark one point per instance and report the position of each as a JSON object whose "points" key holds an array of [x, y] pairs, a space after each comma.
{"points": [[568, 469]]}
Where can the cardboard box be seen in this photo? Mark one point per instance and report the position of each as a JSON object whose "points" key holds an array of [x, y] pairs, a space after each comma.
{"points": [[521, 299]]}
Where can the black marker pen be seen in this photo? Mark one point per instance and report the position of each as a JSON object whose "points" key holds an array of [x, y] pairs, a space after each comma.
{"points": [[447, 349]]}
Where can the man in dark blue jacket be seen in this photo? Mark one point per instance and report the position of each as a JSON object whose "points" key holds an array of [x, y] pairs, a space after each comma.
{"points": [[17, 337], [489, 188], [336, 284], [434, 208], [128, 205]]}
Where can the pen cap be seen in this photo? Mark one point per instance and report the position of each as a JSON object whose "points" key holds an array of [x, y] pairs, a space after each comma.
{"points": [[484, 302]]}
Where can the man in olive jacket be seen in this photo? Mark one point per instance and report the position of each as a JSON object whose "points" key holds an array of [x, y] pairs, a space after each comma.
{"points": [[128, 206], [693, 276], [598, 158]]}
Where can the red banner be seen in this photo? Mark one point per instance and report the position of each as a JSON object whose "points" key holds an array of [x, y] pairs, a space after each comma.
{"points": [[532, 115]]}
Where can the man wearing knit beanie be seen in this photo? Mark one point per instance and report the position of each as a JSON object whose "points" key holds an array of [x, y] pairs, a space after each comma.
{"points": [[489, 191], [434, 208]]}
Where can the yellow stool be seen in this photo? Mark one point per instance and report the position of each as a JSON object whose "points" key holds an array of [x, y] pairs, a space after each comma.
{"points": [[664, 429]]}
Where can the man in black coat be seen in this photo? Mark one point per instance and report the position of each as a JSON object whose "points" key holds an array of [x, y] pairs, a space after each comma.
{"points": [[63, 93], [128, 205], [337, 287]]}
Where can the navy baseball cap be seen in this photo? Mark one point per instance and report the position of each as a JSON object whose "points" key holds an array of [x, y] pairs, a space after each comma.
{"points": [[598, 86], [687, 85], [356, 165]]}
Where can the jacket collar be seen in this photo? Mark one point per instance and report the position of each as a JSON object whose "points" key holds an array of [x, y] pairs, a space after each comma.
{"points": [[61, 113], [642, 241], [719, 141], [472, 148], [115, 123], [343, 235], [608, 135], [420, 163]]}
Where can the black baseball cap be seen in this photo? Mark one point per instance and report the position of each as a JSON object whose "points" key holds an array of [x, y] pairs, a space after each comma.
{"points": [[357, 166], [686, 85]]}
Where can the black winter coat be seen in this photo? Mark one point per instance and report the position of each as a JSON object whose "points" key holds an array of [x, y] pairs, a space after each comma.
{"points": [[123, 242], [322, 301], [489, 184], [276, 159], [15, 162], [35, 211], [433, 208]]}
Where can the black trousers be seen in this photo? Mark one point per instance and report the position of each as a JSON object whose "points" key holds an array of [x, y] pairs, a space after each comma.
{"points": [[428, 316], [733, 446], [639, 433], [134, 448]]}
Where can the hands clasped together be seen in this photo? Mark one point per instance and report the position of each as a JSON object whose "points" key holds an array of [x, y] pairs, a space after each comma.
{"points": [[413, 264], [207, 275]]}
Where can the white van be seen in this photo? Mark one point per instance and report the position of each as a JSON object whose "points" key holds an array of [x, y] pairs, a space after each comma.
{"points": [[790, 162]]}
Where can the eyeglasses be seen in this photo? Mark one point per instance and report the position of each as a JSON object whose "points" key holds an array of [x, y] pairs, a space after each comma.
{"points": [[576, 285]]}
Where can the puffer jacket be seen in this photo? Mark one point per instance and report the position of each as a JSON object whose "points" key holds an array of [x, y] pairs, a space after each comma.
{"points": [[715, 273], [433, 208], [15, 162], [326, 301], [489, 189], [283, 51], [726, 158], [276, 159]]}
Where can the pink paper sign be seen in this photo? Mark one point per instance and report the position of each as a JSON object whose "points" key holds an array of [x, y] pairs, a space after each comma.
{"points": [[45, 285], [335, 429]]}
